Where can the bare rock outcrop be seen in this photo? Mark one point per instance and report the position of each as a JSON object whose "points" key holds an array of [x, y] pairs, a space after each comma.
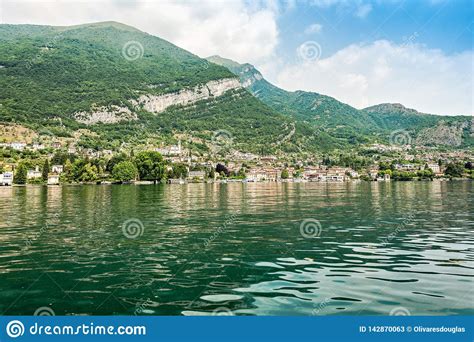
{"points": [[159, 103], [107, 115]]}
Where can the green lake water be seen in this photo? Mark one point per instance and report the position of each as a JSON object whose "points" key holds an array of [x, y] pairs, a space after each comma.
{"points": [[243, 249]]}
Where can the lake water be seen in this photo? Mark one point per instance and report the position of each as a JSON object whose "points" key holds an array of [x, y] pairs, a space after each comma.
{"points": [[246, 249]]}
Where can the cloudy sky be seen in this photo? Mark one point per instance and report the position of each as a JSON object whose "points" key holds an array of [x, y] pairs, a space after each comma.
{"points": [[417, 52]]}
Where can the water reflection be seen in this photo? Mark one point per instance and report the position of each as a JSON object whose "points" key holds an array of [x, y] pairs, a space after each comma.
{"points": [[238, 247]]}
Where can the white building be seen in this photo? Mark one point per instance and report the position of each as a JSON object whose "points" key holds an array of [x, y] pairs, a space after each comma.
{"points": [[20, 146], [434, 167], [36, 173], [58, 169], [53, 179], [405, 167], [37, 147], [6, 178], [259, 175], [173, 150], [196, 175]]}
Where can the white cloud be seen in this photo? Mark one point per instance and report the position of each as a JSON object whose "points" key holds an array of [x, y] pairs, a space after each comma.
{"points": [[363, 10], [313, 28], [365, 75], [234, 29]]}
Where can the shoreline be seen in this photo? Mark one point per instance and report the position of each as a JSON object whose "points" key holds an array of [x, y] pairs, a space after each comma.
{"points": [[107, 183]]}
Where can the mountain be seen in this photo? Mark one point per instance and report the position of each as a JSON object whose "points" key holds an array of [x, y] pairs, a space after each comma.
{"points": [[427, 129], [110, 86], [106, 84], [344, 123]]}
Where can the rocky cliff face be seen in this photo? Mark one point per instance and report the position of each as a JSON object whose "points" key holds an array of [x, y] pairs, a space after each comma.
{"points": [[107, 115], [442, 134], [158, 104]]}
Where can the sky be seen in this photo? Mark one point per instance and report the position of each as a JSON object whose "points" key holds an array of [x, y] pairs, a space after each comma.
{"points": [[415, 52]]}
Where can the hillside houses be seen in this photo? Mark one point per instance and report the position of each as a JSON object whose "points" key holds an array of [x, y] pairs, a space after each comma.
{"points": [[173, 150]]}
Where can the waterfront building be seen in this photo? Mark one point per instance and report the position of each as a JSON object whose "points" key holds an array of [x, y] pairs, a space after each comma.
{"points": [[263, 174], [197, 175], [435, 168], [53, 179], [32, 174], [6, 178], [373, 173]]}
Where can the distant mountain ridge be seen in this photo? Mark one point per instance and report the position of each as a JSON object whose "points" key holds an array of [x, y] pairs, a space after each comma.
{"points": [[390, 108], [345, 123]]}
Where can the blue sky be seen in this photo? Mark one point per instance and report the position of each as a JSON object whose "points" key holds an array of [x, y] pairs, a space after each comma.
{"points": [[445, 25], [415, 52]]}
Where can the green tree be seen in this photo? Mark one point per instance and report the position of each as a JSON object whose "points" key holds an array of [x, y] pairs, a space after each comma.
{"points": [[211, 174], [89, 173], [59, 158], [178, 171], [67, 175], [77, 168], [20, 174], [150, 166], [285, 174], [115, 160], [384, 166], [426, 174], [454, 170], [124, 171], [45, 171], [241, 174]]}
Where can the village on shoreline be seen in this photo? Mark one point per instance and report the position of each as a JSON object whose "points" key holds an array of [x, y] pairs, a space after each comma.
{"points": [[57, 164]]}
